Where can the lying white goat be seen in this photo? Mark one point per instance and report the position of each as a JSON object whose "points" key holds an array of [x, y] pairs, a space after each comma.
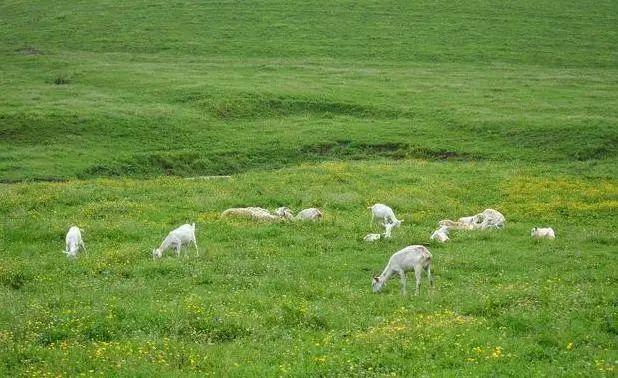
{"points": [[183, 235], [372, 237], [256, 213], [309, 214], [284, 212], [543, 233], [383, 212], [454, 225], [73, 241], [470, 221], [441, 235], [414, 257], [490, 218]]}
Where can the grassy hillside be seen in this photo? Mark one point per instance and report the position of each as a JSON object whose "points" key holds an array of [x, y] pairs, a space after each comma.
{"points": [[439, 109], [279, 299], [192, 89], [546, 33]]}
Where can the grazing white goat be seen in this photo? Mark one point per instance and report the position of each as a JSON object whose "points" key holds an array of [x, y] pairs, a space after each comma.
{"points": [[441, 235], [543, 233], [256, 213], [183, 235], [414, 257], [284, 212], [453, 225], [73, 241], [380, 211], [372, 237], [309, 214]]}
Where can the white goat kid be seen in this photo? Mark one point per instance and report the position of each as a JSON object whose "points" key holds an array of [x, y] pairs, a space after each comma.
{"points": [[383, 212], [183, 235], [73, 242], [309, 214], [414, 257], [441, 235], [542, 233]]}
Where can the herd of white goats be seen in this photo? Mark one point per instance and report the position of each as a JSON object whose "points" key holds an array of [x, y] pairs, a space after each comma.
{"points": [[414, 257]]}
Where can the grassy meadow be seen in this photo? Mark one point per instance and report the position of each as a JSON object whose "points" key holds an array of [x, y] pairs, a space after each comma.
{"points": [[109, 111]]}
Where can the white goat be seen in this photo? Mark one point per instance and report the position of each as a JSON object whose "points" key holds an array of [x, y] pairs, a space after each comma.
{"points": [[284, 212], [470, 221], [256, 213], [441, 235], [455, 225], [309, 214], [380, 211], [372, 237], [386, 235], [388, 229], [490, 218], [183, 235], [73, 241], [543, 233], [413, 257]]}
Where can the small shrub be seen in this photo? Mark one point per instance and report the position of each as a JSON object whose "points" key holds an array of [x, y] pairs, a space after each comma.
{"points": [[98, 332], [29, 50], [213, 330], [53, 335], [14, 280], [61, 79]]}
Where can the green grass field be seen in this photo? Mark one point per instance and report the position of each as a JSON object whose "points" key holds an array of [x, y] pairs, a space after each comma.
{"points": [[439, 109]]}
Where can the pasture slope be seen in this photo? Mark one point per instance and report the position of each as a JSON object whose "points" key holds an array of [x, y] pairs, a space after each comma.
{"points": [[439, 109]]}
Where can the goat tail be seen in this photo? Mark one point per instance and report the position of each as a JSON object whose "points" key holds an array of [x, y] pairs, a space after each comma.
{"points": [[428, 255], [193, 225], [427, 265]]}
